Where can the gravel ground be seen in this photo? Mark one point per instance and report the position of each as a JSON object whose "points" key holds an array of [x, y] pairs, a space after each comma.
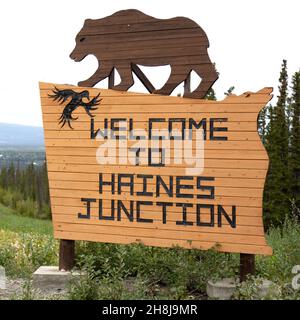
{"points": [[21, 289]]}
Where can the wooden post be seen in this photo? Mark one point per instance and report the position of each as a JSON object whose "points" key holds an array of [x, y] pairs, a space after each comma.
{"points": [[187, 84], [142, 77], [247, 265], [66, 254], [111, 79]]}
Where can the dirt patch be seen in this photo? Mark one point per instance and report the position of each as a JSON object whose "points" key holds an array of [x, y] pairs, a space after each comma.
{"points": [[21, 289], [13, 288]]}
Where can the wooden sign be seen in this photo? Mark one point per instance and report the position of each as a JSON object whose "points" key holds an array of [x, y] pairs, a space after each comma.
{"points": [[115, 177]]}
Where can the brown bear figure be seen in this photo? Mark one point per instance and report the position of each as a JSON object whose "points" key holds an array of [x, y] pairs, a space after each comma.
{"points": [[130, 37]]}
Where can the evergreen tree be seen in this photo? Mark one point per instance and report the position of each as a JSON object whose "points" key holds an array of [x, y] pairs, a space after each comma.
{"points": [[295, 142], [262, 123], [211, 95], [229, 91], [277, 189], [26, 189]]}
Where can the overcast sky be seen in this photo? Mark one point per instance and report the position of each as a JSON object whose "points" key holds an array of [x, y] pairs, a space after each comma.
{"points": [[248, 40]]}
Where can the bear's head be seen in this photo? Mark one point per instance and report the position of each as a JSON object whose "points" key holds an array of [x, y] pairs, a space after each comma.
{"points": [[84, 45]]}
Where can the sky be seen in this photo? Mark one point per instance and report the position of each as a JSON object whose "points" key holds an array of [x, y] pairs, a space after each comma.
{"points": [[248, 40]]}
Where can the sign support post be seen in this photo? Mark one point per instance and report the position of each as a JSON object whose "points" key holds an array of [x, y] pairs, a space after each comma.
{"points": [[247, 265], [66, 254]]}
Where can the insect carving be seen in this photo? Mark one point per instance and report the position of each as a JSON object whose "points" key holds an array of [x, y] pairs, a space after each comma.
{"points": [[76, 101]]}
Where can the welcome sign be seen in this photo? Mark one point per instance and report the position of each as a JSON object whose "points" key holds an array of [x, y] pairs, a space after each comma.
{"points": [[162, 171]]}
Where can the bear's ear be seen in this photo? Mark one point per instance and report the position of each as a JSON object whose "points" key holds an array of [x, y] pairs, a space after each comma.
{"points": [[87, 21]]}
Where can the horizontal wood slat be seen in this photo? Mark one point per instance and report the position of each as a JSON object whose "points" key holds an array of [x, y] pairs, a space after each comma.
{"points": [[142, 108], [225, 200], [234, 192], [159, 234], [171, 225], [248, 216], [80, 179], [239, 126], [202, 245], [214, 172], [209, 154], [252, 117], [231, 136], [209, 145], [212, 163]]}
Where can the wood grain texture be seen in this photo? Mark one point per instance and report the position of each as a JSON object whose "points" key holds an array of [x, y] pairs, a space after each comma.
{"points": [[238, 166], [130, 37]]}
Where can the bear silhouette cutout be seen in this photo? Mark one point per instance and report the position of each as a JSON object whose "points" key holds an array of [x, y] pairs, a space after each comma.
{"points": [[130, 37]]}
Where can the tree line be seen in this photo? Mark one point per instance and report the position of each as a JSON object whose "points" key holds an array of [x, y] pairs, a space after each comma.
{"points": [[25, 189], [279, 128]]}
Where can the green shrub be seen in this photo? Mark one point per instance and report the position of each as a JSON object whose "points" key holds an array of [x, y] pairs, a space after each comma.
{"points": [[22, 253], [23, 205]]}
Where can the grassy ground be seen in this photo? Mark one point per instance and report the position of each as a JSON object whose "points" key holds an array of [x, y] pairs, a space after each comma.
{"points": [[138, 272], [25, 243], [9, 220]]}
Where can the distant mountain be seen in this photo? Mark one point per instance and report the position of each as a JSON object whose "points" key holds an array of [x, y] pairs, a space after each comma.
{"points": [[16, 135]]}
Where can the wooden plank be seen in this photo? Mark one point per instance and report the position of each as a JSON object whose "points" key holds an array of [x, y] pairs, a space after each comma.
{"points": [[146, 39], [231, 136], [113, 97], [250, 216], [62, 178], [148, 44], [237, 191], [155, 26], [209, 145], [218, 199], [134, 107], [214, 172], [155, 233], [213, 163], [136, 103], [209, 154], [202, 245], [240, 230], [242, 117], [247, 225], [85, 125], [156, 215]]}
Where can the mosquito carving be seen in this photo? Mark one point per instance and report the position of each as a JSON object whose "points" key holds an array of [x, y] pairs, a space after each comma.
{"points": [[76, 101]]}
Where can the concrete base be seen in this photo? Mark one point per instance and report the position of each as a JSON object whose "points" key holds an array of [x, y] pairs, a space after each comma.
{"points": [[222, 289], [2, 278], [265, 288], [50, 279]]}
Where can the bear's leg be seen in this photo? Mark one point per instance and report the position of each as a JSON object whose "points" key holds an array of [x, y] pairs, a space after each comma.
{"points": [[101, 73], [175, 78], [209, 75], [126, 77]]}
